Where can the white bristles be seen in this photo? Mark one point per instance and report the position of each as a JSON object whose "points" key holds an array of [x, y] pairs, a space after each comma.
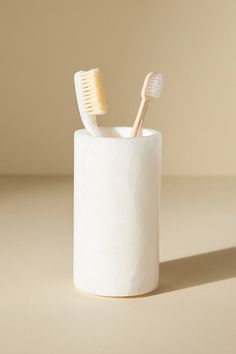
{"points": [[154, 85], [93, 92]]}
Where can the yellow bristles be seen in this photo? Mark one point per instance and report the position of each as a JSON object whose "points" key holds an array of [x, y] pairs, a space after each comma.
{"points": [[93, 92]]}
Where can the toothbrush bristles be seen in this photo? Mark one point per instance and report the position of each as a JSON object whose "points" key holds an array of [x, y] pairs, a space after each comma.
{"points": [[93, 92], [154, 86]]}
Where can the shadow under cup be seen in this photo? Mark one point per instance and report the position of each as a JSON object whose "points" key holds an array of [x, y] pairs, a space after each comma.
{"points": [[116, 212]]}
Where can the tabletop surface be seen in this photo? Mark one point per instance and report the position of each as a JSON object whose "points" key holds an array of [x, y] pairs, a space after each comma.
{"points": [[193, 311]]}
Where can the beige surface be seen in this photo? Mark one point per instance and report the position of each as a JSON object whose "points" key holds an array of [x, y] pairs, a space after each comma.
{"points": [[194, 310], [192, 42]]}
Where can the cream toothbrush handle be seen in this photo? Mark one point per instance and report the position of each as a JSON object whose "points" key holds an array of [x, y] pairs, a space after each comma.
{"points": [[139, 118], [90, 123]]}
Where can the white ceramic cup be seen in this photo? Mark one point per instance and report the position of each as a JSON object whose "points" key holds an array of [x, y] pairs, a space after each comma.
{"points": [[116, 212]]}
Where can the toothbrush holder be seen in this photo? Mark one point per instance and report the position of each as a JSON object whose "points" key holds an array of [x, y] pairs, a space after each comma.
{"points": [[116, 212]]}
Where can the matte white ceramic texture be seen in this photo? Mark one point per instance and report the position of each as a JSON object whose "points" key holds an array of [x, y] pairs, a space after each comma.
{"points": [[116, 212]]}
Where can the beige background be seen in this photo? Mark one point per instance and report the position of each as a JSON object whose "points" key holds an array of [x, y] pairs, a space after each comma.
{"points": [[192, 42]]}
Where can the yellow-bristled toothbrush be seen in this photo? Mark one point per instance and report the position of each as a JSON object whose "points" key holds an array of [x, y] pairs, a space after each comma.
{"points": [[152, 87], [91, 99]]}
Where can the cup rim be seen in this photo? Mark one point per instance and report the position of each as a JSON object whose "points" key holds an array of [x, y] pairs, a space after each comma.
{"points": [[149, 133]]}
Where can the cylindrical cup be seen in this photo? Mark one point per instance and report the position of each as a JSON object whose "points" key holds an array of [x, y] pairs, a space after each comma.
{"points": [[116, 212]]}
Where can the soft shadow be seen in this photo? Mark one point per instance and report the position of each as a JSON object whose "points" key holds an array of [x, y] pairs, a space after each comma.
{"points": [[196, 270]]}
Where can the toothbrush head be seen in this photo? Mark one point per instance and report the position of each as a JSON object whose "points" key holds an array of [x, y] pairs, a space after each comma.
{"points": [[93, 92], [152, 86]]}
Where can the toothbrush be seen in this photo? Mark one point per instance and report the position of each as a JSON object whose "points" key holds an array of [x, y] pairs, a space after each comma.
{"points": [[152, 87], [90, 98]]}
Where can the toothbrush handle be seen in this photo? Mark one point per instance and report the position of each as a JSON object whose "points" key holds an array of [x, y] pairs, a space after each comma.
{"points": [[141, 121], [139, 118]]}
